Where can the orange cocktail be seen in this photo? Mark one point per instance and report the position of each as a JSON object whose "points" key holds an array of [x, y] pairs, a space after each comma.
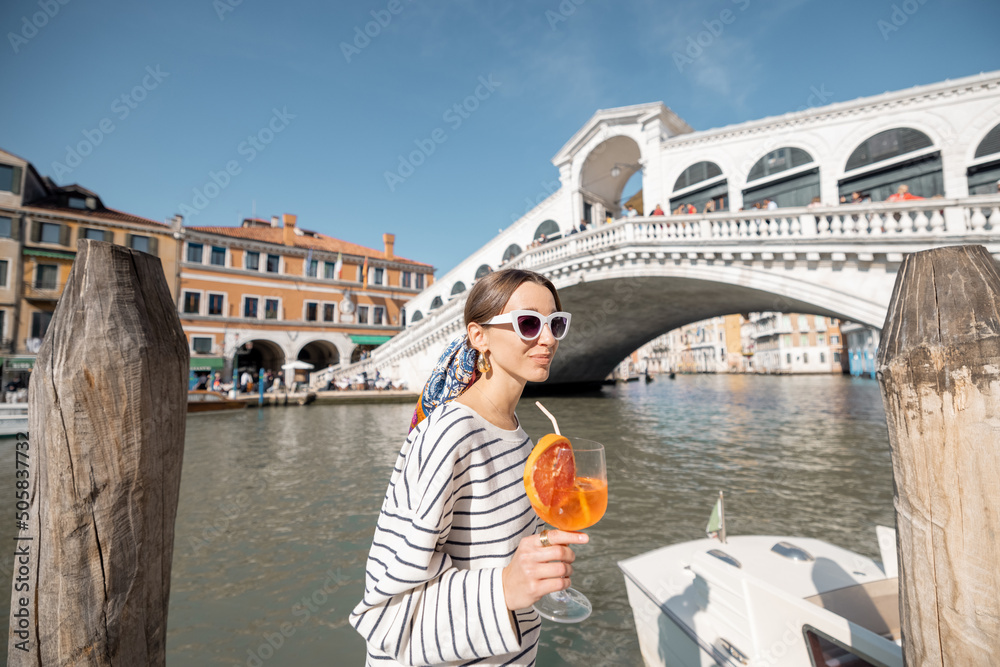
{"points": [[579, 507]]}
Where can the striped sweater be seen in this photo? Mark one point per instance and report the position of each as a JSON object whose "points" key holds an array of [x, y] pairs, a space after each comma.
{"points": [[452, 518]]}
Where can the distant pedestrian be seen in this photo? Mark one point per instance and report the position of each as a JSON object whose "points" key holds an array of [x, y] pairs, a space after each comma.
{"points": [[246, 382], [903, 194], [217, 382], [658, 210], [630, 211]]}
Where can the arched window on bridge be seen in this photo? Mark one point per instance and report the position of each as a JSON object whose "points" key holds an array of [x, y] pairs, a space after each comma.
{"points": [[417, 316], [865, 172], [985, 168], [550, 228], [436, 303], [512, 251], [457, 288], [483, 270], [787, 176], [699, 184]]}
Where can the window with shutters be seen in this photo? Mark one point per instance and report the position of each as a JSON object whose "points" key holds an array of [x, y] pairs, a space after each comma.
{"points": [[46, 276], [195, 252], [362, 314], [92, 234], [192, 302], [312, 311], [3, 273], [141, 243], [6, 227], [216, 304], [273, 262], [10, 178], [250, 306], [218, 257], [271, 307], [202, 345], [378, 315], [50, 232], [329, 310], [40, 323]]}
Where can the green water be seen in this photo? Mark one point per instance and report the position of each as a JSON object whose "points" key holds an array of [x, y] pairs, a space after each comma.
{"points": [[278, 506]]}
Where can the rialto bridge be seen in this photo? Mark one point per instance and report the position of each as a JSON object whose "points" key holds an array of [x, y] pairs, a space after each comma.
{"points": [[631, 279]]}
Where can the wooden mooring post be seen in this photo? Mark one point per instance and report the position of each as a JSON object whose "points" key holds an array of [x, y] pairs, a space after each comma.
{"points": [[939, 371], [107, 411]]}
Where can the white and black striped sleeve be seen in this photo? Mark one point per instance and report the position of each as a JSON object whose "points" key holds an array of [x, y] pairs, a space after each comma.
{"points": [[418, 608]]}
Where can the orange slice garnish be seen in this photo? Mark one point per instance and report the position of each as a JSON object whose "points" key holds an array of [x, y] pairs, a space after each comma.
{"points": [[549, 474]]}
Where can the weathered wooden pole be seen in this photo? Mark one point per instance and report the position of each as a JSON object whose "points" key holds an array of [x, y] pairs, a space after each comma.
{"points": [[939, 370], [107, 411]]}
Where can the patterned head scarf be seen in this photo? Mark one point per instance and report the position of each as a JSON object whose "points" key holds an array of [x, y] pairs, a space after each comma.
{"points": [[454, 373]]}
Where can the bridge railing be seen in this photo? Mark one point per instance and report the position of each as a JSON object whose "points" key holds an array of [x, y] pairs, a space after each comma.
{"points": [[926, 217], [873, 222]]}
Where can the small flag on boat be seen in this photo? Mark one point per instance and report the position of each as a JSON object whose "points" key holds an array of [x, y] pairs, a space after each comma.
{"points": [[716, 527]]}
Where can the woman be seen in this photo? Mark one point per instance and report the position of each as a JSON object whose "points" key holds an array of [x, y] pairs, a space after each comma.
{"points": [[455, 564]]}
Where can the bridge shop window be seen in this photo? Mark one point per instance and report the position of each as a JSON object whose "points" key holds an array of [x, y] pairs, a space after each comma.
{"points": [[483, 270], [457, 288], [436, 303], [512, 251], [787, 176], [417, 316], [699, 184], [549, 228], [883, 162], [984, 172]]}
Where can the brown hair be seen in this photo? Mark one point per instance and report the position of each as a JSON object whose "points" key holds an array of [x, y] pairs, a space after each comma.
{"points": [[492, 292]]}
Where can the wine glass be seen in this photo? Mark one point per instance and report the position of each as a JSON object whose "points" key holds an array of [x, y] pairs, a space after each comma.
{"points": [[574, 509]]}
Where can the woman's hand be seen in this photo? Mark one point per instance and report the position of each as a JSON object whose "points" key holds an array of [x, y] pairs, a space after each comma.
{"points": [[536, 570]]}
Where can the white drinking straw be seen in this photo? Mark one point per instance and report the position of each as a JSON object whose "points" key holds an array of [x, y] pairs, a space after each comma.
{"points": [[549, 415]]}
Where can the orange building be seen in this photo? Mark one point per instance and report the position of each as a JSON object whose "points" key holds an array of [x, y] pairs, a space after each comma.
{"points": [[268, 293], [40, 224]]}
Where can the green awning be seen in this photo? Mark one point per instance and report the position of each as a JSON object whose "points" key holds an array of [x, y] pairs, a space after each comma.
{"points": [[19, 363], [49, 253], [209, 364], [370, 340]]}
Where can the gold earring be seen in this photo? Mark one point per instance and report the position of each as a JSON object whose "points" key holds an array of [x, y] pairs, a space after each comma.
{"points": [[483, 364]]}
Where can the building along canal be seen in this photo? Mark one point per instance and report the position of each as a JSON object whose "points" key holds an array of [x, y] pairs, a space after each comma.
{"points": [[278, 506]]}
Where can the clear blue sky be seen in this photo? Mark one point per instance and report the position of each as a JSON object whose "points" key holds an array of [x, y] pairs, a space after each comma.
{"points": [[224, 68]]}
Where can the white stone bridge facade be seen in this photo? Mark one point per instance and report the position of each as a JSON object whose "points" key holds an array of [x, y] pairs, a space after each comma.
{"points": [[636, 278]]}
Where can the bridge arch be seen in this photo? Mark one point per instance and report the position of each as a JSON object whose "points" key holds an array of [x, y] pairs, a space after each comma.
{"points": [[603, 173], [457, 288], [549, 228], [256, 353], [715, 187], [320, 353], [870, 178], [483, 271], [795, 189], [436, 303], [616, 311], [512, 251], [417, 316], [985, 171]]}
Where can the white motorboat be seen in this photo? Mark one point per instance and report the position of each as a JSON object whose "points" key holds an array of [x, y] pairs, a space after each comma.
{"points": [[763, 600], [13, 418]]}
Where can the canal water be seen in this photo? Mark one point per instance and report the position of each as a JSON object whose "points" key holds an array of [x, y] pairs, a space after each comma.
{"points": [[278, 506]]}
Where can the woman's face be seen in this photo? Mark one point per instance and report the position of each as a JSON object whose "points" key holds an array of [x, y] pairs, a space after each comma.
{"points": [[528, 360]]}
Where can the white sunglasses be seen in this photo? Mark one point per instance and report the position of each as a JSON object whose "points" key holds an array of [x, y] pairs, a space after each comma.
{"points": [[528, 323]]}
